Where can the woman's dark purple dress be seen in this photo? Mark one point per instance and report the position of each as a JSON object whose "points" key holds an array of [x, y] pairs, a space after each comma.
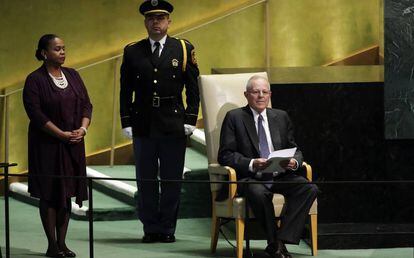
{"points": [[48, 155]]}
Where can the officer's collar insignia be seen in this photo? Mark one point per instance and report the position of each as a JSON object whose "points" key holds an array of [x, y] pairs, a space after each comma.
{"points": [[154, 2], [174, 62], [193, 57]]}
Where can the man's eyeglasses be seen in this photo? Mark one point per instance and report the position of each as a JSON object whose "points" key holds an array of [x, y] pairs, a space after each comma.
{"points": [[259, 92]]}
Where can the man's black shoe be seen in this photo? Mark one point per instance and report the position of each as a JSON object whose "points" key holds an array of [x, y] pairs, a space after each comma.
{"points": [[274, 252], [283, 249], [167, 238], [150, 238]]}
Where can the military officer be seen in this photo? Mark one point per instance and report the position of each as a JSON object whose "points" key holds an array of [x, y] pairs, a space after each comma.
{"points": [[154, 72]]}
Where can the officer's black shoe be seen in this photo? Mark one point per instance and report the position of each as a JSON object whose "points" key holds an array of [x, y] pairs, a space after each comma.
{"points": [[167, 238], [55, 254], [150, 238], [69, 253]]}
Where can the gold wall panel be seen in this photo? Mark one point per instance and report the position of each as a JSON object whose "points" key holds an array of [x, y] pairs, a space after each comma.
{"points": [[381, 27], [100, 82], [18, 125], [2, 121], [303, 33], [90, 28], [235, 40], [314, 32], [316, 74]]}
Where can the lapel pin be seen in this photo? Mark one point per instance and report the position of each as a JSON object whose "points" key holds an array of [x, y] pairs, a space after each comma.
{"points": [[174, 62]]}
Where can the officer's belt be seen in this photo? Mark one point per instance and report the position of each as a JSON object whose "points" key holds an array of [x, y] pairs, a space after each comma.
{"points": [[157, 101]]}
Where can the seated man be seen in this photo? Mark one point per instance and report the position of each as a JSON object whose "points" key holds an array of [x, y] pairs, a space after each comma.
{"points": [[248, 135]]}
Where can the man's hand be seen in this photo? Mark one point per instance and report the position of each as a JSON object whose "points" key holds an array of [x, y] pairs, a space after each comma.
{"points": [[189, 129], [127, 132], [260, 164], [289, 164]]}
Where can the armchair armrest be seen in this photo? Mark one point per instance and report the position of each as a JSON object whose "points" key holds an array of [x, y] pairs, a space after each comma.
{"points": [[216, 170], [308, 170]]}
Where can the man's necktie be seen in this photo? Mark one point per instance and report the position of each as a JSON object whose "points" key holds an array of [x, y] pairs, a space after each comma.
{"points": [[263, 145], [263, 148], [156, 52]]}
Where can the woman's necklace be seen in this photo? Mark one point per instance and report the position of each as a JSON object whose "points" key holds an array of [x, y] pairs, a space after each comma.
{"points": [[60, 81]]}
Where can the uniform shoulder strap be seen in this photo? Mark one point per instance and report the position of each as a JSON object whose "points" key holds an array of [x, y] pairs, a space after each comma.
{"points": [[184, 54]]}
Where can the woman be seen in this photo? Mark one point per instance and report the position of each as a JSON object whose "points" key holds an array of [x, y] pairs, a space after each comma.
{"points": [[59, 109]]}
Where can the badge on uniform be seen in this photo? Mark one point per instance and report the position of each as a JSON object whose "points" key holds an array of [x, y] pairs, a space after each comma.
{"points": [[154, 2], [193, 57], [174, 62]]}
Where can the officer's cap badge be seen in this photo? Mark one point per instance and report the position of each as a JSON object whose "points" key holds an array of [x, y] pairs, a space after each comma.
{"points": [[155, 6]]}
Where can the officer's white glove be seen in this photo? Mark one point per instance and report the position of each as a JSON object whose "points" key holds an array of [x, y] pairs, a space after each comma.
{"points": [[127, 131], [188, 129]]}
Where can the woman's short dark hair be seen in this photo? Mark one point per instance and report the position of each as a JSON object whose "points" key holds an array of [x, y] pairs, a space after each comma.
{"points": [[43, 44]]}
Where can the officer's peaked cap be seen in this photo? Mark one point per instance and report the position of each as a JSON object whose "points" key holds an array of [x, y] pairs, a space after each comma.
{"points": [[155, 6]]}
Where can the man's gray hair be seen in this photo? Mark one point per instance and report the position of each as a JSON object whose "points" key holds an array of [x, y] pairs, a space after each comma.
{"points": [[255, 78]]}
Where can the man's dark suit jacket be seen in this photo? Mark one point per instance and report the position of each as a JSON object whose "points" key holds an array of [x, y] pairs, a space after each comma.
{"points": [[239, 142], [143, 78]]}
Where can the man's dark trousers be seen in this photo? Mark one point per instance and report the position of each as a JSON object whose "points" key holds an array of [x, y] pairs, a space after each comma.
{"points": [[299, 197], [158, 211]]}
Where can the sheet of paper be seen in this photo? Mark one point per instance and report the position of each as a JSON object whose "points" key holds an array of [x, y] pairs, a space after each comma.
{"points": [[276, 157], [285, 153]]}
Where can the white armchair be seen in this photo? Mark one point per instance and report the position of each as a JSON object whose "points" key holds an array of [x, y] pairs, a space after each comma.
{"points": [[219, 94]]}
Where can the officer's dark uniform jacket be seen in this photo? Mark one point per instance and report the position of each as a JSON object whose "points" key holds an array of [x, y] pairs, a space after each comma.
{"points": [[151, 90]]}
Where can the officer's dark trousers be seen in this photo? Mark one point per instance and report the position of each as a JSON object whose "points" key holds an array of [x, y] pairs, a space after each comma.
{"points": [[157, 204], [298, 198]]}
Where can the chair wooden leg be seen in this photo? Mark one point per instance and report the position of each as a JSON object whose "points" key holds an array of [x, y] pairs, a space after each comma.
{"points": [[215, 224], [314, 233], [239, 237]]}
